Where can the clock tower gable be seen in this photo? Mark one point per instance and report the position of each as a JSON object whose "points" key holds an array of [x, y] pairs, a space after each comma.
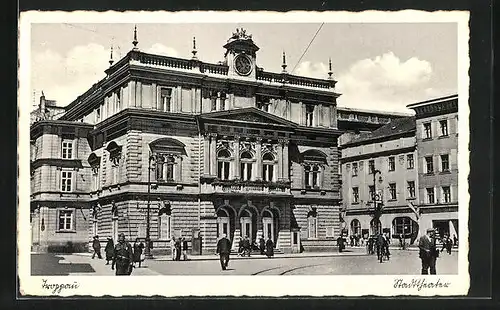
{"points": [[240, 54]]}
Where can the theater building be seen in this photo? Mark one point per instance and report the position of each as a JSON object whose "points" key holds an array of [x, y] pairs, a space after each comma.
{"points": [[437, 157], [204, 149]]}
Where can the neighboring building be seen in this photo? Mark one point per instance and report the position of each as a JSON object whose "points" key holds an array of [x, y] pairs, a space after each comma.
{"points": [[437, 144], [210, 148], [47, 110], [391, 152], [355, 121]]}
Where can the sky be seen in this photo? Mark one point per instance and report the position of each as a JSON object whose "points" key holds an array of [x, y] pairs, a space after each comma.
{"points": [[382, 66]]}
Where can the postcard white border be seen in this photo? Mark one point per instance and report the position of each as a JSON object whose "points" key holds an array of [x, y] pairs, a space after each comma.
{"points": [[381, 285]]}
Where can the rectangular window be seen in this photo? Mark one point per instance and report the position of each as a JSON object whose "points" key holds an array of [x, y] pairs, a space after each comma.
{"points": [[98, 115], [309, 115], [169, 173], [118, 100], [355, 194], [246, 171], [213, 104], [392, 163], [410, 164], [429, 165], [371, 192], [223, 170], [402, 225], [66, 181], [427, 131], [411, 189], [371, 166], [222, 101], [444, 127], [392, 191], [445, 163], [354, 169], [67, 149], [430, 195], [165, 100], [268, 172], [65, 220], [445, 194]]}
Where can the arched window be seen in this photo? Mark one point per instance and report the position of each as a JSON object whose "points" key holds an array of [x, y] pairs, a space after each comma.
{"points": [[268, 163], [223, 164], [312, 225], [167, 159], [246, 165], [355, 227], [375, 226], [313, 163]]}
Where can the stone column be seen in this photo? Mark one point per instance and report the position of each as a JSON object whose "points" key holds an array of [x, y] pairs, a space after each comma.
{"points": [[286, 168], [236, 147], [258, 155], [280, 159], [213, 153], [206, 154]]}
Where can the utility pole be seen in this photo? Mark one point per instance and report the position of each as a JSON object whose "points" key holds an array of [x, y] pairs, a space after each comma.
{"points": [[147, 251]]}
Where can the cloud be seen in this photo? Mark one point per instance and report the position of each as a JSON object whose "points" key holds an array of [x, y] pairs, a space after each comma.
{"points": [[64, 77], [315, 70], [160, 49], [386, 83]]}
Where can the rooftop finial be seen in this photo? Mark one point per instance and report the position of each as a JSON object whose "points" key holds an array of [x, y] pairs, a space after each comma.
{"points": [[135, 38], [194, 51], [111, 57], [284, 63], [330, 68]]}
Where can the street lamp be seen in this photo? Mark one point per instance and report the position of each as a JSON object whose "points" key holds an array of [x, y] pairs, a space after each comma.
{"points": [[147, 250], [375, 198]]}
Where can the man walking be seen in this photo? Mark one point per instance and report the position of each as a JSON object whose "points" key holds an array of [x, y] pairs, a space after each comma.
{"points": [[96, 245], [428, 252], [123, 257], [184, 249], [223, 249]]}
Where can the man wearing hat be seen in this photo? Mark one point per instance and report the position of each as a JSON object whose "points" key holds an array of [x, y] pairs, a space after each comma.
{"points": [[96, 245], [123, 257], [223, 249], [428, 252]]}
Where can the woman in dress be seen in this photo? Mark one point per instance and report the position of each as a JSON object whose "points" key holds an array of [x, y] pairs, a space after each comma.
{"points": [[109, 250], [138, 247], [269, 248]]}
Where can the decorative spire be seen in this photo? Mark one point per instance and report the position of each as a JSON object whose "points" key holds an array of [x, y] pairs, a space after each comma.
{"points": [[111, 57], [135, 39], [284, 63], [330, 68], [194, 51]]}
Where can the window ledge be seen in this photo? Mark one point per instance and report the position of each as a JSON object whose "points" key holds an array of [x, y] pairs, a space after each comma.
{"points": [[445, 172], [66, 231]]}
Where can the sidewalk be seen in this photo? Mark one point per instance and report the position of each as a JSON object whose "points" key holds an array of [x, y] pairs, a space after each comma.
{"points": [[99, 265]]}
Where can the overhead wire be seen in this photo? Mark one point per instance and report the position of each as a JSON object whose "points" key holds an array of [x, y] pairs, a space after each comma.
{"points": [[307, 48]]}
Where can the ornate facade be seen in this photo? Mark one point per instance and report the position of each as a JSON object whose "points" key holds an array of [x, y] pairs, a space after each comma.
{"points": [[204, 149]]}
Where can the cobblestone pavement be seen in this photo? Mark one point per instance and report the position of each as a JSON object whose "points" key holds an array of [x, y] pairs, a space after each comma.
{"points": [[354, 262]]}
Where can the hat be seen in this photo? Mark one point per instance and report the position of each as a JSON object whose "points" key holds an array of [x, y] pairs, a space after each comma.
{"points": [[430, 229], [121, 234], [96, 236]]}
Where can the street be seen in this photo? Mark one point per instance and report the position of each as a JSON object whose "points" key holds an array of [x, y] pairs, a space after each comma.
{"points": [[352, 262]]}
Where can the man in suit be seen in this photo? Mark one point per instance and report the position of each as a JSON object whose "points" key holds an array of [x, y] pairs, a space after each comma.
{"points": [[223, 249], [123, 257], [428, 252]]}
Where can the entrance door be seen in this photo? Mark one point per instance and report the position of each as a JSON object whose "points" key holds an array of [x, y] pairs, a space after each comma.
{"points": [[223, 226], [246, 226], [268, 225]]}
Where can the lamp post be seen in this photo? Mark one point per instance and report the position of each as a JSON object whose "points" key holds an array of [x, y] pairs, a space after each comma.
{"points": [[147, 250], [377, 207]]}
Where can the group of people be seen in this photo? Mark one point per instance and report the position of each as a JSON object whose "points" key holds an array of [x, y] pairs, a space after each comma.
{"points": [[266, 247], [179, 247], [122, 254]]}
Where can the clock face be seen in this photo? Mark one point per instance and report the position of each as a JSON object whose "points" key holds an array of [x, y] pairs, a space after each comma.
{"points": [[243, 65]]}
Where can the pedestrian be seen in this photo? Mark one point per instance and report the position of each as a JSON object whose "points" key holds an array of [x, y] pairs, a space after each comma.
{"points": [[387, 241], [96, 245], [269, 248], [247, 246], [380, 244], [447, 244], [172, 248], [340, 243], [401, 241], [223, 249], [184, 249], [178, 249], [240, 247], [428, 252], [262, 245], [123, 257], [109, 249], [138, 248], [455, 240]]}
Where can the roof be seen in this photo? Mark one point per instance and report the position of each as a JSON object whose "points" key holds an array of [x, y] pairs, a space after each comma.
{"points": [[432, 101], [396, 127], [376, 112]]}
